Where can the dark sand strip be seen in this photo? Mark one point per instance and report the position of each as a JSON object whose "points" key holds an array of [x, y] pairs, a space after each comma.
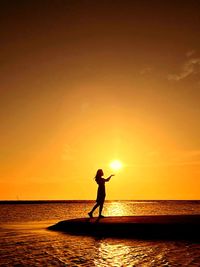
{"points": [[145, 227]]}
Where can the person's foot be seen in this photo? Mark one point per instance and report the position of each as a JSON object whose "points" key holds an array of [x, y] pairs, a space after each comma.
{"points": [[101, 216], [90, 214]]}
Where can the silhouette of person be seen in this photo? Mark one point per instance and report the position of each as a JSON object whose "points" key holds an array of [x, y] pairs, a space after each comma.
{"points": [[101, 192]]}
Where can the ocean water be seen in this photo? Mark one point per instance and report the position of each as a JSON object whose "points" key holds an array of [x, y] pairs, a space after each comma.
{"points": [[25, 240]]}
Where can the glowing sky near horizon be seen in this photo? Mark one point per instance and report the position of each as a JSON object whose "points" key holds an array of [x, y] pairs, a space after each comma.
{"points": [[83, 83]]}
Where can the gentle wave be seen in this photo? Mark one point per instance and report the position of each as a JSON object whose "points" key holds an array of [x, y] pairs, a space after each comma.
{"points": [[24, 240]]}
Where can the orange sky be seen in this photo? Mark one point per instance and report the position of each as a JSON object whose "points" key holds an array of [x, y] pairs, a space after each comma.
{"points": [[83, 83]]}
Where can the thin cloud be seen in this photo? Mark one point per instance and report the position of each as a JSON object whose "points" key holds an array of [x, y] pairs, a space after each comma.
{"points": [[187, 157], [174, 158], [190, 53], [190, 67], [68, 153], [147, 70], [85, 106]]}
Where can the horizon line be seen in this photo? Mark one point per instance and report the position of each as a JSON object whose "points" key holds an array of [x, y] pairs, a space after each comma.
{"points": [[86, 200]]}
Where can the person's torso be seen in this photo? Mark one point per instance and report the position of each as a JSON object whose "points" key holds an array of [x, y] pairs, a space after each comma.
{"points": [[101, 182]]}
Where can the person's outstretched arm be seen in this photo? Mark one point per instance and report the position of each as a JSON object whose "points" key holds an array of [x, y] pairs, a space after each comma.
{"points": [[108, 179]]}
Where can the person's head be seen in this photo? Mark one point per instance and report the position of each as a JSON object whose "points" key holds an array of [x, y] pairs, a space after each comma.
{"points": [[99, 173]]}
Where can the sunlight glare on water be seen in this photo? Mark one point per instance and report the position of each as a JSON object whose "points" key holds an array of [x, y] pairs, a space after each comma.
{"points": [[113, 255], [116, 208]]}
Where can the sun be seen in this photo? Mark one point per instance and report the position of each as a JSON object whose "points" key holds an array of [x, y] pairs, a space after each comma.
{"points": [[116, 165]]}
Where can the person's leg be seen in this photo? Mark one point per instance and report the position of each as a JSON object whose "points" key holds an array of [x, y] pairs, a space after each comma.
{"points": [[100, 209], [93, 209]]}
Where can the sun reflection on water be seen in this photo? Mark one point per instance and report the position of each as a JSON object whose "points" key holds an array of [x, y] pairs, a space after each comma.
{"points": [[113, 255], [116, 208]]}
